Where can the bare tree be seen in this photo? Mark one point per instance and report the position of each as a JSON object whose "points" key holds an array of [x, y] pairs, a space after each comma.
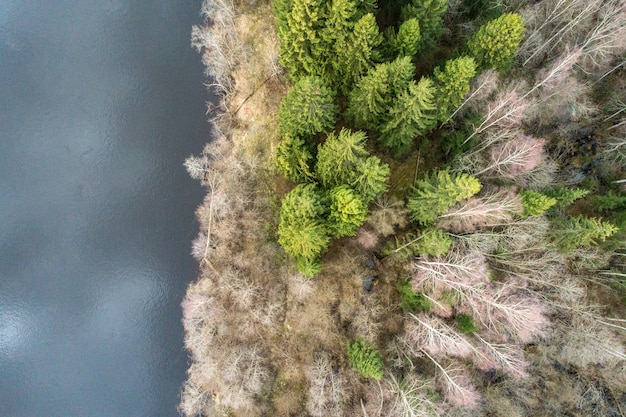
{"points": [[326, 388], [513, 158], [456, 385], [507, 357], [477, 212], [432, 335]]}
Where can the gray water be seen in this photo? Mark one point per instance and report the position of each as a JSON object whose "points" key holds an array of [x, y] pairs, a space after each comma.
{"points": [[100, 102]]}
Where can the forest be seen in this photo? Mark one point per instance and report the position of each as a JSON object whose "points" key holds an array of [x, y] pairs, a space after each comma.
{"points": [[413, 208]]}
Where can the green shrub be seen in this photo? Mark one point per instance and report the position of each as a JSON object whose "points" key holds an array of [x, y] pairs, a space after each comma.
{"points": [[411, 300], [365, 359], [465, 323], [309, 267]]}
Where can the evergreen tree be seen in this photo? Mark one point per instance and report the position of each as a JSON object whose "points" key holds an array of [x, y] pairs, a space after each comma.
{"points": [[302, 50], [412, 115], [309, 107], [373, 94], [572, 232], [339, 157], [371, 179], [535, 203], [365, 359], [496, 43], [308, 267], [342, 16], [301, 231], [610, 201], [293, 159], [347, 211], [405, 42], [565, 196], [452, 84], [355, 53], [434, 195], [429, 14]]}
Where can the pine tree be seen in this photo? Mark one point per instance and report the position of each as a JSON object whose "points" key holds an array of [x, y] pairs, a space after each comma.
{"points": [[412, 115], [572, 232], [339, 157], [535, 203], [302, 50], [429, 14], [355, 53], [435, 194], [309, 107], [293, 159], [452, 83], [301, 231], [347, 211], [373, 94], [405, 42], [365, 359], [496, 43], [371, 179]]}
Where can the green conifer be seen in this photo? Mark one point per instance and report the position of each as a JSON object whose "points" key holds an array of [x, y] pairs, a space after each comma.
{"points": [[347, 211], [429, 14], [373, 94], [293, 159], [355, 53], [452, 84], [371, 179], [339, 157], [496, 43], [571, 232], [412, 115], [302, 50], [301, 231], [565, 196], [405, 42], [434, 195], [309, 107], [535, 203]]}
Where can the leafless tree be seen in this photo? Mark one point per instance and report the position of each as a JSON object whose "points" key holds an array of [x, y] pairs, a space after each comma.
{"points": [[432, 335], [455, 384], [477, 212], [504, 356], [326, 388]]}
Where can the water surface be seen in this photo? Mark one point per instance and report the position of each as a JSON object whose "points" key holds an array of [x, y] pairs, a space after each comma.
{"points": [[101, 101]]}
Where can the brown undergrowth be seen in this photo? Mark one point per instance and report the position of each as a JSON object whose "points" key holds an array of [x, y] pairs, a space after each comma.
{"points": [[263, 339]]}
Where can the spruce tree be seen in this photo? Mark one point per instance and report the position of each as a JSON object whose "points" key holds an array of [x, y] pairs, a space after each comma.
{"points": [[429, 14], [371, 179], [293, 159], [373, 94], [355, 53], [434, 195], [452, 84], [302, 231], [565, 196], [496, 43], [309, 107], [412, 115], [339, 157], [535, 203], [405, 43], [572, 232], [347, 211], [302, 50]]}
